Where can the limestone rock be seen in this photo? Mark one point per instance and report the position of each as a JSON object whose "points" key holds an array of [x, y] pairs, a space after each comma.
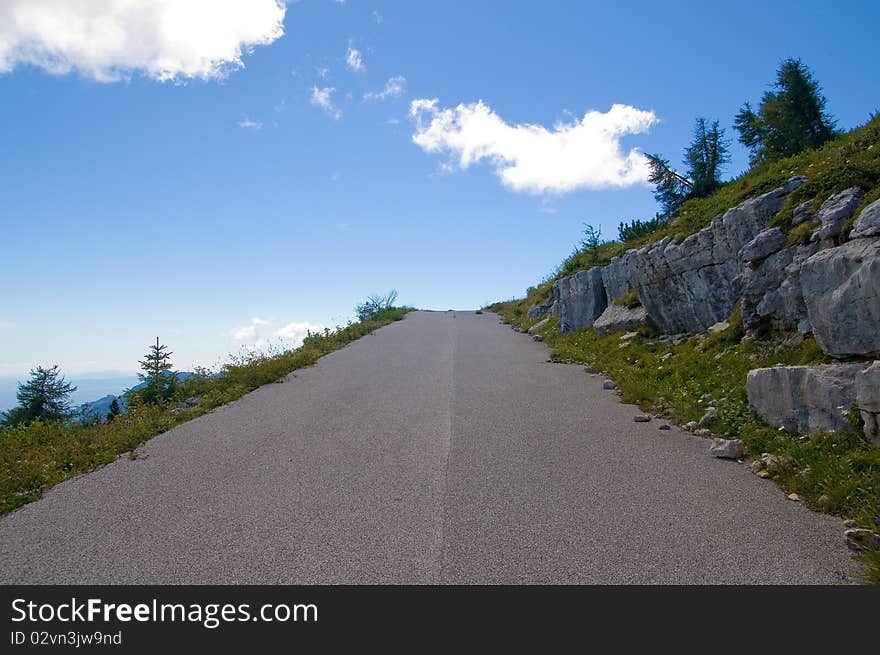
{"points": [[615, 277], [690, 426], [609, 384], [836, 211], [581, 298], [803, 213], [539, 309], [766, 243], [861, 539], [710, 415], [616, 318], [720, 326], [726, 448], [641, 418], [868, 398], [802, 399], [539, 325], [537, 337], [868, 222], [688, 286], [841, 288]]}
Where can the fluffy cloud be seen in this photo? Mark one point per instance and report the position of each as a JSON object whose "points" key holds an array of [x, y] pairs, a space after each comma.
{"points": [[251, 331], [258, 332], [582, 154], [354, 60], [108, 40], [323, 98], [298, 331], [394, 88]]}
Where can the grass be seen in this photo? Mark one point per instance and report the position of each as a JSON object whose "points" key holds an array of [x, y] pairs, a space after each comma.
{"points": [[36, 457]]}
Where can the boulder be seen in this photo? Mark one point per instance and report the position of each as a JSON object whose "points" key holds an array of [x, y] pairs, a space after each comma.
{"points": [[836, 211], [581, 299], [617, 318], [539, 309], [766, 243], [868, 222], [860, 539], [803, 399], [726, 448], [803, 213], [841, 289], [537, 326], [868, 398]]}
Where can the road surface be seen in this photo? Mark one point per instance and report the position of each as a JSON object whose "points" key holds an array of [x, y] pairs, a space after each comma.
{"points": [[441, 449]]}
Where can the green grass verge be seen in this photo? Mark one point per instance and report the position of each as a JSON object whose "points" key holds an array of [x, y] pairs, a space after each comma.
{"points": [[37, 457]]}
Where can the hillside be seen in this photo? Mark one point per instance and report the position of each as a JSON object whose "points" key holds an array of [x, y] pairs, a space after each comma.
{"points": [[751, 316]]}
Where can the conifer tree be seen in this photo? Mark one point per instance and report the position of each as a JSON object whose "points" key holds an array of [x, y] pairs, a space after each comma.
{"points": [[161, 382], [791, 118], [705, 158], [45, 396], [114, 410]]}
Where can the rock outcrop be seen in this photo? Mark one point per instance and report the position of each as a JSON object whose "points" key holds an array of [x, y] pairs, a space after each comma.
{"points": [[581, 298], [841, 289], [803, 399], [828, 286], [683, 287]]}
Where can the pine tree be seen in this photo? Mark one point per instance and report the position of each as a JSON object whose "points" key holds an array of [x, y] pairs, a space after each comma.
{"points": [[161, 382], [45, 396], [792, 117], [670, 188], [114, 410], [705, 158]]}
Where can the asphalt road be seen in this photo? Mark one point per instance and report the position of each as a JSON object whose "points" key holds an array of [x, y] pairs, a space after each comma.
{"points": [[441, 449]]}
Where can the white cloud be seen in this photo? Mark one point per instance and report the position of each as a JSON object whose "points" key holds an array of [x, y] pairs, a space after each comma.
{"points": [[379, 18], [354, 60], [250, 124], [108, 40], [394, 88], [582, 154], [322, 72], [323, 98], [297, 331], [251, 331]]}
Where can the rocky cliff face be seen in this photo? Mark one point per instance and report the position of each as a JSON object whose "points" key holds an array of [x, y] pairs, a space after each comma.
{"points": [[826, 286]]}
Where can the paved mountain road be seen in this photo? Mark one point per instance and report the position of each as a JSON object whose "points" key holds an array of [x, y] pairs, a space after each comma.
{"points": [[441, 449]]}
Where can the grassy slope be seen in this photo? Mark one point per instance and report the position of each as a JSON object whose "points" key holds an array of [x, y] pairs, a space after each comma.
{"points": [[835, 473], [39, 456]]}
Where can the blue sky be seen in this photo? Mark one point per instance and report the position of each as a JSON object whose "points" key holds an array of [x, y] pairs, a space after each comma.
{"points": [[187, 208]]}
